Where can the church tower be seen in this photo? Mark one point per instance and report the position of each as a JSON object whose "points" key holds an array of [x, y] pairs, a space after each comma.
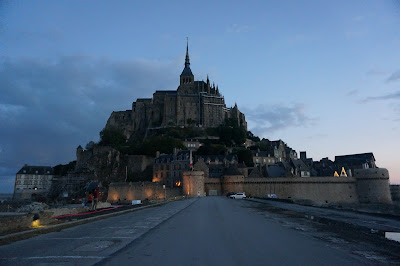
{"points": [[187, 76]]}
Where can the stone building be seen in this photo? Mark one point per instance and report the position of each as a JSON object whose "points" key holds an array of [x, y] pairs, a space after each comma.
{"points": [[355, 161], [168, 168], [216, 164], [32, 182], [194, 103], [261, 158]]}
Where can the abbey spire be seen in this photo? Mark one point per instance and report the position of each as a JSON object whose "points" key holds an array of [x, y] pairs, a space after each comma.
{"points": [[187, 60], [187, 75]]}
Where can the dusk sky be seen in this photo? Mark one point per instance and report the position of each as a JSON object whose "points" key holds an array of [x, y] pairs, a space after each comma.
{"points": [[323, 76]]}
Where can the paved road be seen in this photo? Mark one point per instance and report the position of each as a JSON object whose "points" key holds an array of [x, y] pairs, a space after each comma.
{"points": [[370, 221], [89, 243], [205, 231]]}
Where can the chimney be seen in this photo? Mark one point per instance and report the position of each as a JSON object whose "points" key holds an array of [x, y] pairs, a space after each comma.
{"points": [[303, 155]]}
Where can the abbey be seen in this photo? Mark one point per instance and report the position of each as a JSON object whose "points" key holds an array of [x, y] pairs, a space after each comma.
{"points": [[194, 103]]}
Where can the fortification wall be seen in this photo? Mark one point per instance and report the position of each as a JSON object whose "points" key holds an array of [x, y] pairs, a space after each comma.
{"points": [[373, 185], [318, 189], [193, 183], [395, 192], [121, 120], [126, 192], [213, 184], [234, 183], [138, 163]]}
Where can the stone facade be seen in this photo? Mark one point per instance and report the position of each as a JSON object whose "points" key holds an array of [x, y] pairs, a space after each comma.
{"points": [[126, 192], [193, 183], [105, 163], [33, 181], [367, 186], [168, 168], [194, 103]]}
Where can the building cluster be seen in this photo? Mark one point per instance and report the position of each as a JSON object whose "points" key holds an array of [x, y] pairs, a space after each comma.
{"points": [[195, 104], [278, 161]]}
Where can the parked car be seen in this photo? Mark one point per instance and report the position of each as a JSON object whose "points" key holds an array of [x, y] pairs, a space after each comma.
{"points": [[238, 196], [271, 196], [230, 194]]}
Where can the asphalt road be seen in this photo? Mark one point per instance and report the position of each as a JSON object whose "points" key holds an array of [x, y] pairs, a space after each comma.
{"points": [[204, 231], [370, 221]]}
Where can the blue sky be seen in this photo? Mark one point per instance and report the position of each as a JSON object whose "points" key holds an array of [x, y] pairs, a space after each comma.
{"points": [[324, 76]]}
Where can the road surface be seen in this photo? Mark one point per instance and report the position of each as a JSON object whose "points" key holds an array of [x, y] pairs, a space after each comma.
{"points": [[203, 231]]}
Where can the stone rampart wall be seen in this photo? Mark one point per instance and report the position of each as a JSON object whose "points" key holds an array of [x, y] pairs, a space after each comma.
{"points": [[138, 163], [212, 184], [373, 185], [126, 192], [395, 192], [193, 183], [317, 189]]}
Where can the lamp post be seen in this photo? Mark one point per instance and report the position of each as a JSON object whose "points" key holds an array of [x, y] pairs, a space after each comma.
{"points": [[165, 192]]}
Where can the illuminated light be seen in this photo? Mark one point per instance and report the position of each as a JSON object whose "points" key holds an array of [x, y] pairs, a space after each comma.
{"points": [[336, 174], [343, 173], [36, 224]]}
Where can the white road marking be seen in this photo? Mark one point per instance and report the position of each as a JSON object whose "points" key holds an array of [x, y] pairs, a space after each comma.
{"points": [[56, 257], [90, 237]]}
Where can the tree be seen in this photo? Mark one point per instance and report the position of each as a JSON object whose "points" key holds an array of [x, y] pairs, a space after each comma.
{"points": [[112, 137], [214, 149], [161, 144], [251, 136], [245, 156], [90, 145], [230, 133]]}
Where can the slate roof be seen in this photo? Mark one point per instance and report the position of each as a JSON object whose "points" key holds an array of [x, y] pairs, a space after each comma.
{"points": [[220, 157], [276, 143], [187, 72], [255, 173], [299, 164], [181, 155], [276, 170], [36, 170], [166, 92], [355, 158], [232, 170], [260, 153]]}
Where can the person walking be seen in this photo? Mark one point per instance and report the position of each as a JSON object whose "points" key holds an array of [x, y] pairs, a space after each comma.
{"points": [[90, 200], [96, 198]]}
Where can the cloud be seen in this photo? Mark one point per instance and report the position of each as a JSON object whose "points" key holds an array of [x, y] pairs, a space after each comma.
{"points": [[235, 28], [391, 96], [268, 119], [352, 92], [395, 76], [49, 107], [374, 72], [318, 136]]}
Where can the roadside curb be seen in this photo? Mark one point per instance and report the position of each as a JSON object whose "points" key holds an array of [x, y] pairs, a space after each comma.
{"points": [[328, 221], [7, 239]]}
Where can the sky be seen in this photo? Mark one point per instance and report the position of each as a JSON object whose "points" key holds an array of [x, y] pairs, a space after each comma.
{"points": [[323, 76]]}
